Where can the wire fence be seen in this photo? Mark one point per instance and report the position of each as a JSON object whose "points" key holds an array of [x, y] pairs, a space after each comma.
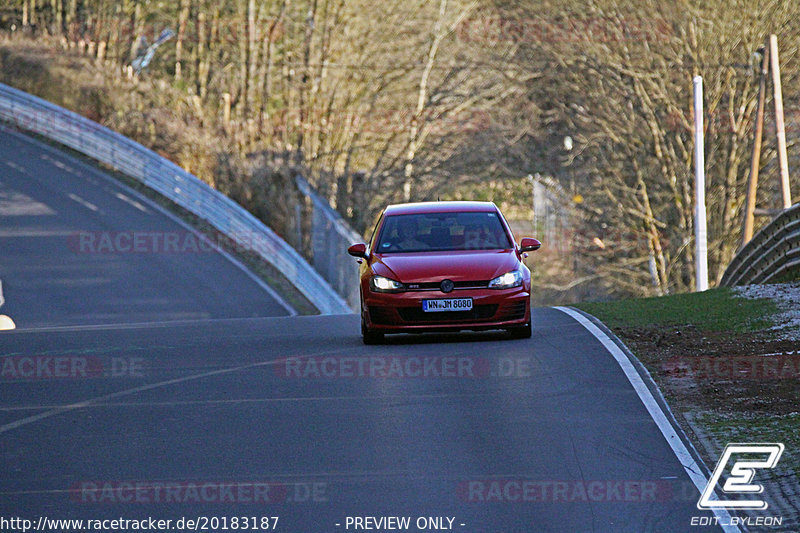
{"points": [[551, 214], [330, 236]]}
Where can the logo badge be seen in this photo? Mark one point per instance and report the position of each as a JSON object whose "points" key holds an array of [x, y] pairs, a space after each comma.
{"points": [[747, 458], [447, 285]]}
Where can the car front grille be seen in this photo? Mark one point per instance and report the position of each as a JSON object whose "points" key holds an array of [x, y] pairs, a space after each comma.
{"points": [[417, 315], [435, 285]]}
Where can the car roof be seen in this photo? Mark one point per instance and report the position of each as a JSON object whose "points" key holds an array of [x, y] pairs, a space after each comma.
{"points": [[440, 207]]}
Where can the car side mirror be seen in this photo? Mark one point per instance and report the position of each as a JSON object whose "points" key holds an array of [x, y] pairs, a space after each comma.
{"points": [[358, 250], [529, 245]]}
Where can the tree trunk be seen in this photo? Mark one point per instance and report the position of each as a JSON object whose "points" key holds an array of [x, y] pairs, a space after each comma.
{"points": [[422, 95], [310, 20], [183, 17]]}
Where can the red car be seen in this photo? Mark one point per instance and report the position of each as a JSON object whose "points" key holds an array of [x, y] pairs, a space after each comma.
{"points": [[443, 266]]}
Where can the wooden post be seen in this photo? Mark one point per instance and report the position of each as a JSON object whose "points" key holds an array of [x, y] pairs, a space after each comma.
{"points": [[779, 124], [755, 162]]}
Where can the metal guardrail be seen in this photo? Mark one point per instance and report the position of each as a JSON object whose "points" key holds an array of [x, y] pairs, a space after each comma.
{"points": [[772, 251], [33, 114]]}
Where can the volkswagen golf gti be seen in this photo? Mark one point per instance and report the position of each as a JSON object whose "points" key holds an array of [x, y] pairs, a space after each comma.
{"points": [[443, 266]]}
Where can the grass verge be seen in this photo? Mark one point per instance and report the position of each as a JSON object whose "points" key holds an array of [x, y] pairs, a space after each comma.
{"points": [[727, 375], [713, 310]]}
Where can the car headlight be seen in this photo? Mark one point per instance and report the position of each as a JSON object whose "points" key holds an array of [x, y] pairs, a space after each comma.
{"points": [[507, 280], [382, 284]]}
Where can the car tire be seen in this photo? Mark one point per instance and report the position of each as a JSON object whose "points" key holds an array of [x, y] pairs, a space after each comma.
{"points": [[368, 336], [521, 332]]}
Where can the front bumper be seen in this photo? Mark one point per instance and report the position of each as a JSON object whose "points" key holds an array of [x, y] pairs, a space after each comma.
{"points": [[402, 312]]}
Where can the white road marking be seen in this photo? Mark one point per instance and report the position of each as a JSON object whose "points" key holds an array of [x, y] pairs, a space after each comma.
{"points": [[656, 413], [128, 392], [5, 321], [14, 203], [233, 401], [17, 167], [132, 202], [83, 202]]}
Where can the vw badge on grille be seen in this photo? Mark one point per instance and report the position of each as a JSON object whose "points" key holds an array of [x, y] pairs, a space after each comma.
{"points": [[446, 285]]}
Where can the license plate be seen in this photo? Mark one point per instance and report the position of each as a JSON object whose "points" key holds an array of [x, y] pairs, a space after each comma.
{"points": [[450, 304]]}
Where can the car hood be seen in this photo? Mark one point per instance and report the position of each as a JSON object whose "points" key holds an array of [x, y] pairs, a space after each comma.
{"points": [[472, 265]]}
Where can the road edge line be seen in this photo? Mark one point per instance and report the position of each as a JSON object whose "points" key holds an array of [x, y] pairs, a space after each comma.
{"points": [[694, 467]]}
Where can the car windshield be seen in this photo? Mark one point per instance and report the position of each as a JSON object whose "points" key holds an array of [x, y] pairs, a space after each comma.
{"points": [[429, 232]]}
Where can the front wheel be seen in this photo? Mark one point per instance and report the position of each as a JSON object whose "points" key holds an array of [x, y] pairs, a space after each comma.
{"points": [[521, 332], [368, 336]]}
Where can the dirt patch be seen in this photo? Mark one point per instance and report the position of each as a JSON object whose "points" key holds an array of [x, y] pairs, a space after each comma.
{"points": [[726, 387], [724, 372]]}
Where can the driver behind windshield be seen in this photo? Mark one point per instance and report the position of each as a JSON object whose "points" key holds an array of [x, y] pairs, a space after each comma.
{"points": [[407, 229]]}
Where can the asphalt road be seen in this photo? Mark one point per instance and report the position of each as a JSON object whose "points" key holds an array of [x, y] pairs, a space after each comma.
{"points": [[217, 402], [148, 384], [68, 253]]}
